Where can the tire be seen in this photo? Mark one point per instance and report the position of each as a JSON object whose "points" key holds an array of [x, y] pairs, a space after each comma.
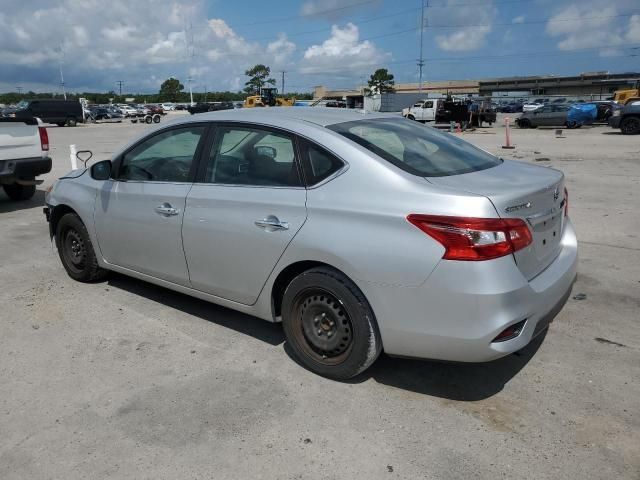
{"points": [[630, 126], [329, 324], [72, 122], [411, 117], [524, 123], [76, 251], [19, 192], [572, 124], [148, 119], [156, 119]]}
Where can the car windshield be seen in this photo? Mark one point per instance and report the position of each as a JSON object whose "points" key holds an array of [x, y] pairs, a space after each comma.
{"points": [[416, 148], [22, 104]]}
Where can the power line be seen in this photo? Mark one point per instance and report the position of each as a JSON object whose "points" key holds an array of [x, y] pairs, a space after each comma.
{"points": [[304, 15]]}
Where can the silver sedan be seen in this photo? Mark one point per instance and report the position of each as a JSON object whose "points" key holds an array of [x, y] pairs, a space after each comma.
{"points": [[359, 232]]}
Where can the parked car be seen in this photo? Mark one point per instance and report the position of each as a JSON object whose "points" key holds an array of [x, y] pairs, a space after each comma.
{"points": [[128, 111], [102, 114], [606, 108], [24, 154], [153, 109], [511, 108], [51, 110], [168, 107], [467, 266], [202, 107], [627, 119], [529, 107], [547, 116], [559, 100]]}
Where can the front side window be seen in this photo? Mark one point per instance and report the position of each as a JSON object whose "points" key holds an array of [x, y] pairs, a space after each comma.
{"points": [[165, 157], [416, 148], [252, 156], [428, 104]]}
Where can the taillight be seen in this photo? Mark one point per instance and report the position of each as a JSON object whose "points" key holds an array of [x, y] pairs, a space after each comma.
{"points": [[44, 139], [474, 238], [566, 202]]}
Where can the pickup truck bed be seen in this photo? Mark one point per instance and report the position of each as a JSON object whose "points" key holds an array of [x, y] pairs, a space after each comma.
{"points": [[24, 146]]}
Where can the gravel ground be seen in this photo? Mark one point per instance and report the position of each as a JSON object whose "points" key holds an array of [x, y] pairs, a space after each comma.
{"points": [[123, 379]]}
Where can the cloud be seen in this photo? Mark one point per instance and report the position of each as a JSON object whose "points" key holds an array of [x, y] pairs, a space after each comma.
{"points": [[342, 52], [281, 50], [592, 25], [132, 41], [464, 38], [518, 19], [334, 9]]}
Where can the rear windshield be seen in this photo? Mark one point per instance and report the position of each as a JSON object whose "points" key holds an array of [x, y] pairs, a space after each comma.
{"points": [[416, 148]]}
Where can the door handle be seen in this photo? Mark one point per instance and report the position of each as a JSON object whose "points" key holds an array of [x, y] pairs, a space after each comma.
{"points": [[271, 223], [166, 210]]}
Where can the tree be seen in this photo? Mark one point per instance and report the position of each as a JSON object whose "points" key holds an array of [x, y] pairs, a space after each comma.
{"points": [[170, 89], [258, 78], [381, 82]]}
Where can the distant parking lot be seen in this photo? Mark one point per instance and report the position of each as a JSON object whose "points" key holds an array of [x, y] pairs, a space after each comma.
{"points": [[129, 380]]}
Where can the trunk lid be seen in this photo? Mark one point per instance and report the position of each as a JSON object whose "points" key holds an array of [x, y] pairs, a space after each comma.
{"points": [[19, 139], [531, 193]]}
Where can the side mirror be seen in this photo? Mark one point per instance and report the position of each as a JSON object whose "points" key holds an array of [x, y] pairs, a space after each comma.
{"points": [[101, 170]]}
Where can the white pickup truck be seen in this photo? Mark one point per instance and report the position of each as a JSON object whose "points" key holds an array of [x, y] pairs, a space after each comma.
{"points": [[24, 154], [423, 111]]}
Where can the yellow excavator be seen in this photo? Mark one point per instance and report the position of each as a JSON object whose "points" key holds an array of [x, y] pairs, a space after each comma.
{"points": [[268, 97], [625, 96]]}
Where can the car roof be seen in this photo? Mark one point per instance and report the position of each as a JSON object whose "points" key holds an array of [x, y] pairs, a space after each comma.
{"points": [[321, 116]]}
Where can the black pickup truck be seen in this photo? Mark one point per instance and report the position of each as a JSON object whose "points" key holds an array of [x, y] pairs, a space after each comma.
{"points": [[627, 119]]}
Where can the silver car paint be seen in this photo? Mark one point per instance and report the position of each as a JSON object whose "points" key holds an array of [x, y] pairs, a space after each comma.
{"points": [[356, 222]]}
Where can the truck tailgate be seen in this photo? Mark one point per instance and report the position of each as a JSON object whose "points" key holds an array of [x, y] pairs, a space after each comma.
{"points": [[19, 139]]}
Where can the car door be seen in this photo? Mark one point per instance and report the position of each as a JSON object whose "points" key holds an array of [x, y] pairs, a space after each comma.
{"points": [[428, 111], [559, 116], [138, 215], [248, 204], [542, 116]]}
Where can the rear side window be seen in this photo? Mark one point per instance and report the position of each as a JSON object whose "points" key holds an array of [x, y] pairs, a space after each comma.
{"points": [[416, 148], [318, 163]]}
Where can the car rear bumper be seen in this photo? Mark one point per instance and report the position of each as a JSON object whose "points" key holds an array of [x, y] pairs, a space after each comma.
{"points": [[462, 307], [25, 167]]}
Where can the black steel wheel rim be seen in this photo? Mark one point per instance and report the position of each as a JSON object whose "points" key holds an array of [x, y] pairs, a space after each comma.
{"points": [[74, 249], [632, 125], [322, 326]]}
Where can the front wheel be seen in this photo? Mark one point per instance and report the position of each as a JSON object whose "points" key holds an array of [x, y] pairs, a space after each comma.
{"points": [[524, 123], [76, 251], [72, 122], [329, 324], [630, 126]]}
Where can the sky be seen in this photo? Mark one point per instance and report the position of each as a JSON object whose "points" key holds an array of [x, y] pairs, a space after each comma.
{"points": [[336, 43]]}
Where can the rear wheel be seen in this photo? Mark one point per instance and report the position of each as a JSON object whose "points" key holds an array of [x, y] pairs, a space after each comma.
{"points": [[72, 122], [76, 251], [16, 191], [630, 126], [329, 324], [411, 117]]}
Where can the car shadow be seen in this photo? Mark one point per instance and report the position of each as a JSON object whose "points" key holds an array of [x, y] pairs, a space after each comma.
{"points": [[454, 381], [7, 205], [267, 332], [466, 382], [613, 132]]}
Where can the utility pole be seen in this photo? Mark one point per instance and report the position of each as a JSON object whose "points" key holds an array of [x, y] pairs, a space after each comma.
{"points": [[421, 59], [282, 89], [64, 94], [19, 90], [120, 82], [190, 92]]}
